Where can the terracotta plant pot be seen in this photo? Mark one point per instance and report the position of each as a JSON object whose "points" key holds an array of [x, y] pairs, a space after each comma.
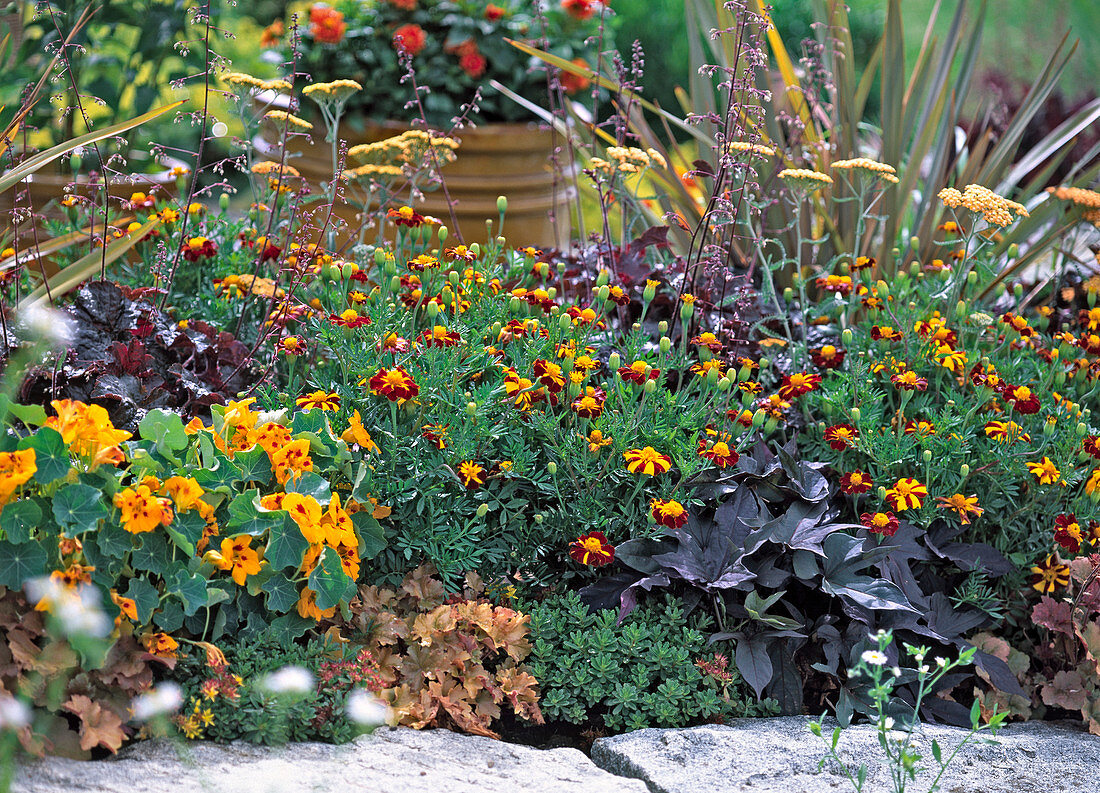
{"points": [[492, 160]]}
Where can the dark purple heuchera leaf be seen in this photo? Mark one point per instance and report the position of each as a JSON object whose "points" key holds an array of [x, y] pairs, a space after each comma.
{"points": [[129, 357]]}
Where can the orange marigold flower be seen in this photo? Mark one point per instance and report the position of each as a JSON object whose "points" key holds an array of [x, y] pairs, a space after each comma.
{"points": [[349, 318], [395, 384], [592, 549], [1067, 532], [708, 340], [597, 440], [668, 513], [436, 433], [827, 357], [637, 373], [963, 506], [855, 482], [291, 346], [1091, 446], [647, 461], [1045, 471], [471, 475], [920, 427], [719, 453], [909, 381], [841, 436], [439, 336], [549, 374], [798, 383], [1023, 399], [839, 284], [1006, 432], [405, 216], [885, 333], [322, 400], [589, 405], [199, 248], [1049, 574], [907, 493], [885, 523]]}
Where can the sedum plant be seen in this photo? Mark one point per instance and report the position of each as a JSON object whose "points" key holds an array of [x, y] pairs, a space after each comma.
{"points": [[653, 669]]}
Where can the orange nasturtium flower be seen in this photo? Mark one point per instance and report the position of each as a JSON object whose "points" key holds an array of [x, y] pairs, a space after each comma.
{"points": [[238, 557], [668, 513], [319, 399], [141, 510], [963, 506], [16, 469], [1046, 472], [906, 494], [160, 644], [357, 433], [647, 461], [1049, 574], [592, 549]]}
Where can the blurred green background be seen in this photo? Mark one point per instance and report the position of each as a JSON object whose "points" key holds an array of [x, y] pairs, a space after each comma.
{"points": [[1019, 36]]}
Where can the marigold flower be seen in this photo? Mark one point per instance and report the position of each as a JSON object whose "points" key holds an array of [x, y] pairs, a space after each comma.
{"points": [[798, 383], [1068, 533], [963, 506], [827, 357], [589, 404], [708, 340], [703, 368], [597, 440], [885, 523], [647, 461], [719, 453], [884, 333], [909, 381], [637, 373], [855, 482], [471, 475], [406, 216], [549, 374], [1045, 471], [907, 493], [349, 318], [396, 384], [1049, 574], [291, 346], [423, 262], [920, 427], [1091, 446], [436, 433], [841, 436], [668, 513], [439, 336], [322, 400], [199, 248], [592, 549], [838, 284]]}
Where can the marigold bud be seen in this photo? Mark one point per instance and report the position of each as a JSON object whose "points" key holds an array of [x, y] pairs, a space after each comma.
{"points": [[788, 294], [764, 363], [964, 469], [223, 202], [475, 248], [502, 204], [602, 278], [614, 361], [452, 277], [846, 336], [665, 344], [395, 283], [565, 322], [650, 291], [725, 384], [552, 467], [650, 386], [1090, 296], [1018, 291], [758, 418], [603, 292], [443, 233], [471, 409], [662, 327], [515, 305], [960, 310], [544, 271], [914, 269], [927, 455], [1013, 251], [914, 243], [1082, 429], [482, 510], [770, 425], [882, 492], [855, 414], [432, 309], [712, 377]]}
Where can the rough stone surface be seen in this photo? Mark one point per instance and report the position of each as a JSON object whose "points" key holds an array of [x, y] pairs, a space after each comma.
{"points": [[389, 761], [781, 756]]}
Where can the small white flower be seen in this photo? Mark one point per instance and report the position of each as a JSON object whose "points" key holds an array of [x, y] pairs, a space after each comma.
{"points": [[923, 669], [14, 713], [43, 323], [162, 700], [366, 710], [888, 723], [289, 680], [941, 662], [896, 671], [77, 610], [874, 658]]}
